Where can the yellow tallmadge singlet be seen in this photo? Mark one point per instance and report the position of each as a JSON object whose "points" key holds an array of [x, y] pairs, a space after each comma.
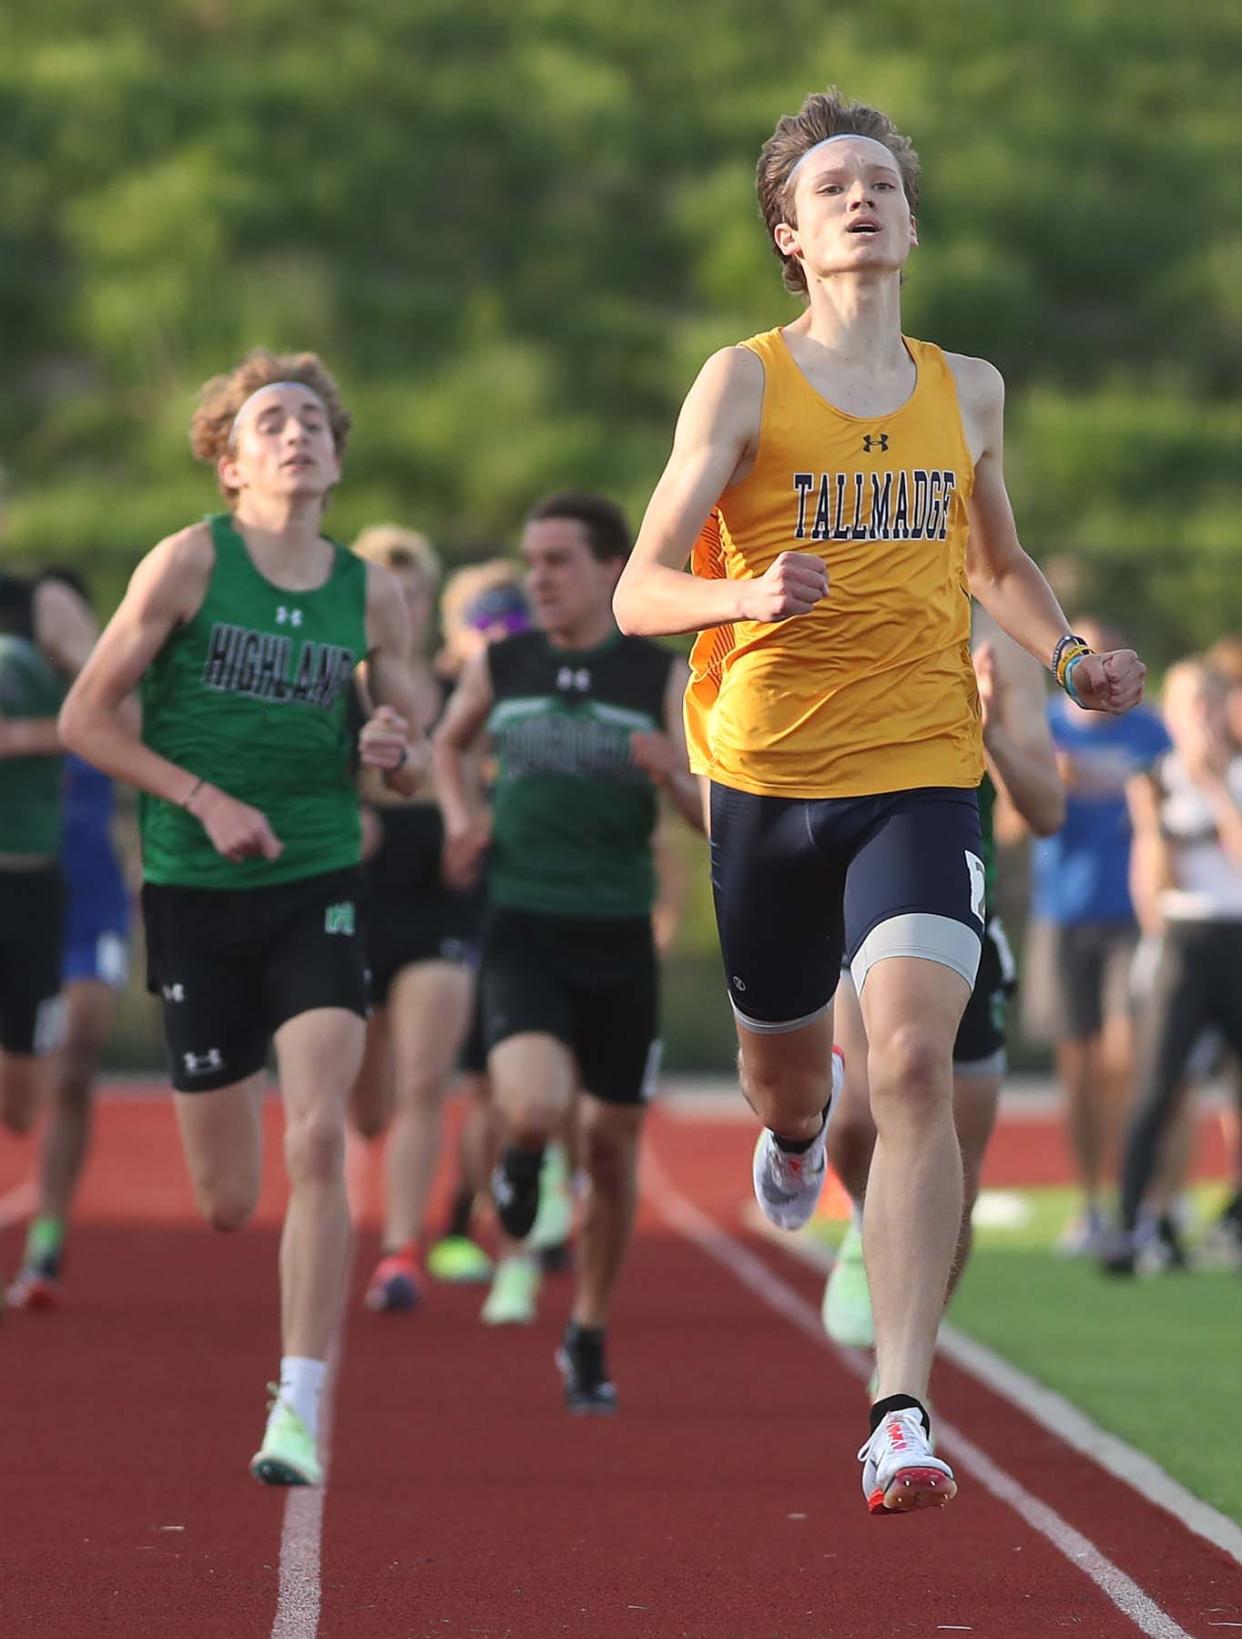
{"points": [[873, 690]]}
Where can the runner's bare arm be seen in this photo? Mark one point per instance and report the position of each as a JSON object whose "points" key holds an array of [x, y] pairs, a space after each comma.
{"points": [[1016, 739], [715, 443], [1151, 858], [391, 739], [166, 590], [458, 730], [664, 755], [65, 630], [1002, 576]]}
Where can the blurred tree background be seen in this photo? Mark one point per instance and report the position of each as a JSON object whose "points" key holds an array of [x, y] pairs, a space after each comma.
{"points": [[515, 230]]}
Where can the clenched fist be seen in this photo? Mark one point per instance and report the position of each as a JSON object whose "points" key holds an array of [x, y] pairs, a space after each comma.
{"points": [[236, 830], [793, 585], [1111, 682]]}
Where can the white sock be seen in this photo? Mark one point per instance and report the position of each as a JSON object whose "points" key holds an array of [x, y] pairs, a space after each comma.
{"points": [[301, 1384]]}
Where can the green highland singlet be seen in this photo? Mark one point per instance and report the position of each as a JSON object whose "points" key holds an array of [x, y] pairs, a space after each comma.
{"points": [[251, 694], [572, 815], [29, 786]]}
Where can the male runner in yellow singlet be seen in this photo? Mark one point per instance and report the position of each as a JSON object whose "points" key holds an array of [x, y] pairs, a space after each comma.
{"points": [[841, 488]]}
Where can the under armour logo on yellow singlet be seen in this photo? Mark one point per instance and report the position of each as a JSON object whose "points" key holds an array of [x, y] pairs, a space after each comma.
{"points": [[875, 441]]}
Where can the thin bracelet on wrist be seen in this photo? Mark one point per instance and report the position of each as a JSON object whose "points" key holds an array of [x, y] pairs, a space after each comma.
{"points": [[192, 793]]}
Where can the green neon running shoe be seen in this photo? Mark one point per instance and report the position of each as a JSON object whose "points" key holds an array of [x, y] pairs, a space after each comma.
{"points": [[847, 1297], [555, 1216], [515, 1288], [460, 1260], [287, 1455]]}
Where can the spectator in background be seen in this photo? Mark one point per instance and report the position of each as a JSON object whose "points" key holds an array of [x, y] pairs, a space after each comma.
{"points": [[1083, 932], [1223, 1242], [1187, 816]]}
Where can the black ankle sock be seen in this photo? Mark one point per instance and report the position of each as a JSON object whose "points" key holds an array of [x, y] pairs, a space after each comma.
{"points": [[521, 1164], [584, 1334], [898, 1402], [460, 1214], [799, 1146]]}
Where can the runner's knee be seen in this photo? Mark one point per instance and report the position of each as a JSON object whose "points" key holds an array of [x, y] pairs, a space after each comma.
{"points": [[911, 1070], [314, 1148]]}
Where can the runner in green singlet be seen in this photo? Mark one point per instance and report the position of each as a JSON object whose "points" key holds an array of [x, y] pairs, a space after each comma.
{"points": [[586, 727], [244, 633], [1020, 761], [46, 633]]}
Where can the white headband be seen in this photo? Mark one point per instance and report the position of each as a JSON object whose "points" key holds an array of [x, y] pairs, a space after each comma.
{"points": [[247, 402], [841, 136]]}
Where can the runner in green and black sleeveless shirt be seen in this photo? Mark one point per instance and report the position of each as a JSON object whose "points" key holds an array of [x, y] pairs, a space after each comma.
{"points": [[244, 633], [586, 725], [1021, 763], [46, 633]]}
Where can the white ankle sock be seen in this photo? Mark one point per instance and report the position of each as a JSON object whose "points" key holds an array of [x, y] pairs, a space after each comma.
{"points": [[301, 1384]]}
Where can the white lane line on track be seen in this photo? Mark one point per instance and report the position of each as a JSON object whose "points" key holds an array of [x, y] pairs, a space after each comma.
{"points": [[1056, 1414], [301, 1531], [683, 1216]]}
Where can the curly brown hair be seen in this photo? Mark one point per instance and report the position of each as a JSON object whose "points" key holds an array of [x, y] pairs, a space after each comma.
{"points": [[219, 400], [824, 114]]}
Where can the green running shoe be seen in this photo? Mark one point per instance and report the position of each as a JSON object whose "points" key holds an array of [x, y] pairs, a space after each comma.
{"points": [[459, 1260], [287, 1455], [555, 1216], [847, 1297], [515, 1287]]}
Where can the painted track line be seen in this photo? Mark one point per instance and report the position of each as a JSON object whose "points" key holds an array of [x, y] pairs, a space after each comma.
{"points": [[1056, 1414], [300, 1589], [752, 1273]]}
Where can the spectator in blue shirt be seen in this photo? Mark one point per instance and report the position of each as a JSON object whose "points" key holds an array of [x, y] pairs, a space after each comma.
{"points": [[1084, 932]]}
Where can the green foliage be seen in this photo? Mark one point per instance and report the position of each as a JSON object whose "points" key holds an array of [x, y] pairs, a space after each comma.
{"points": [[515, 231]]}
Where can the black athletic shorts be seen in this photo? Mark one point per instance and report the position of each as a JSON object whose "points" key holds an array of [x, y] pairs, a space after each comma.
{"points": [[32, 919], [980, 1045], [400, 936], [592, 982], [472, 1060], [233, 965], [412, 915], [798, 883]]}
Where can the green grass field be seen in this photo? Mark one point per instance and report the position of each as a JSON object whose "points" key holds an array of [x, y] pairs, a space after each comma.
{"points": [[1157, 1361]]}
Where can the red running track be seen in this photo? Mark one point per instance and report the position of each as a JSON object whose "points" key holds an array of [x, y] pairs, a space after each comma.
{"points": [[724, 1501]]}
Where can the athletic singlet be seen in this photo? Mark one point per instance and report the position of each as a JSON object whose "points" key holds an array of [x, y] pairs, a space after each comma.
{"points": [[873, 690], [29, 688], [572, 813], [251, 695]]}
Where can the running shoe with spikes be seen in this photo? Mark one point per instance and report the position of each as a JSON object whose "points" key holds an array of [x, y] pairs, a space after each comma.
{"points": [[901, 1473], [787, 1186], [35, 1286], [589, 1392], [287, 1455], [394, 1288], [846, 1307], [514, 1290], [459, 1261]]}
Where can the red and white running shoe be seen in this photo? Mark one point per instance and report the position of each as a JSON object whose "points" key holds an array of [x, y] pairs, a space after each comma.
{"points": [[901, 1473], [787, 1186]]}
